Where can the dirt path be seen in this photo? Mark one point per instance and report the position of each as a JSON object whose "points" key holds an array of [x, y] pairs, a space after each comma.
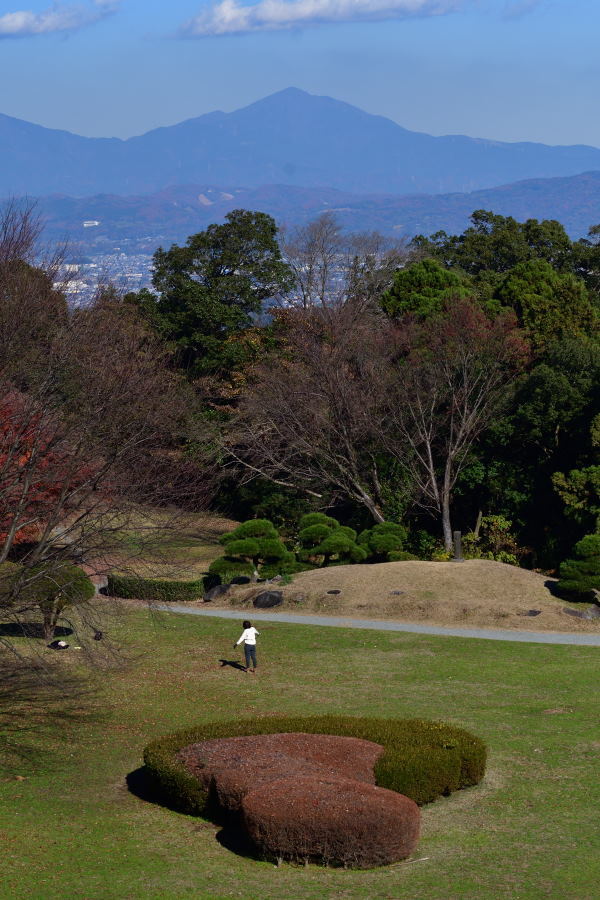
{"points": [[536, 637]]}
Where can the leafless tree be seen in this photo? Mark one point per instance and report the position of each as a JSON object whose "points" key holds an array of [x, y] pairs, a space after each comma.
{"points": [[449, 377], [350, 390], [310, 418], [92, 427], [331, 267]]}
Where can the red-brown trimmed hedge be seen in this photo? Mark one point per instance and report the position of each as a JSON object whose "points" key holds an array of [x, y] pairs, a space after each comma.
{"points": [[421, 759], [331, 820], [233, 767]]}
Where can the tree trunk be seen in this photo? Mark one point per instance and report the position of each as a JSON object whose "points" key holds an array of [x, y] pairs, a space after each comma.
{"points": [[49, 624], [446, 523], [373, 507]]}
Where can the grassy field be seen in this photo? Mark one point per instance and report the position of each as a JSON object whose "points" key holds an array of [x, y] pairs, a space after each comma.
{"points": [[69, 826]]}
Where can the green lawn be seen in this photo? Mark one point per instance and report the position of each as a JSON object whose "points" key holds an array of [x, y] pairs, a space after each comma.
{"points": [[72, 829]]}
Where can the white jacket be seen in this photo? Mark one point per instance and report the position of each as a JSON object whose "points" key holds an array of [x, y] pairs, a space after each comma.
{"points": [[248, 636]]}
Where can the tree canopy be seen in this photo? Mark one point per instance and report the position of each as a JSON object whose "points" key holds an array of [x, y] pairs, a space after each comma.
{"points": [[208, 291]]}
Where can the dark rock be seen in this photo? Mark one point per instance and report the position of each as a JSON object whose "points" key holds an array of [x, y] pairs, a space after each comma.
{"points": [[593, 612], [530, 612], [334, 592], [98, 635], [578, 613], [239, 579], [217, 591], [267, 599], [397, 593], [274, 579]]}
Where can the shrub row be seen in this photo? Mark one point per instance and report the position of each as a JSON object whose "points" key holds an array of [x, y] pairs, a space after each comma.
{"points": [[154, 589], [423, 760]]}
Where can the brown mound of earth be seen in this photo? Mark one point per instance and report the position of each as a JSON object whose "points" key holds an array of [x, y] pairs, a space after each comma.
{"points": [[335, 820], [307, 796], [232, 767], [477, 593]]}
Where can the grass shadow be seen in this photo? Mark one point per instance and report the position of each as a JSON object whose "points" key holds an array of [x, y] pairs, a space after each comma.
{"points": [[233, 663], [41, 703], [141, 784], [231, 836], [30, 630], [552, 586]]}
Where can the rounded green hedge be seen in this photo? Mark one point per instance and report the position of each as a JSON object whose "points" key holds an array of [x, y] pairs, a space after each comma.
{"points": [[129, 586], [423, 760]]}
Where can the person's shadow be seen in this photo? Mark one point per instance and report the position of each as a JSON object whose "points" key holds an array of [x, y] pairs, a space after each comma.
{"points": [[233, 663]]}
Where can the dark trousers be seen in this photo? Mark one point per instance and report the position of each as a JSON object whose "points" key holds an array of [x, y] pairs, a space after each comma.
{"points": [[250, 653]]}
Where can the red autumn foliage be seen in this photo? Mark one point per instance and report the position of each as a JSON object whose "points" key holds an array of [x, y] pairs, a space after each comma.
{"points": [[36, 465]]}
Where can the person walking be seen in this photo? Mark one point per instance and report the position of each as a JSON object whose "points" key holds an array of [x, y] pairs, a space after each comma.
{"points": [[249, 638]]}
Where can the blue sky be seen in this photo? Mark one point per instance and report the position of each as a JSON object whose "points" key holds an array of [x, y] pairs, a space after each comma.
{"points": [[502, 69]]}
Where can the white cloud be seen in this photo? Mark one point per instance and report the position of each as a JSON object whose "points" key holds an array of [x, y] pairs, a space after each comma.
{"points": [[58, 17], [231, 17]]}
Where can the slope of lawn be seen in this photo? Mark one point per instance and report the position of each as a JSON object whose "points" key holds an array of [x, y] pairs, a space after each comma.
{"points": [[69, 826]]}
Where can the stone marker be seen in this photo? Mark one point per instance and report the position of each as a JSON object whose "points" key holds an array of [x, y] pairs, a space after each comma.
{"points": [[458, 557]]}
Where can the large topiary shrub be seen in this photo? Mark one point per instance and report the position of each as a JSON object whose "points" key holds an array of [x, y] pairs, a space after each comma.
{"points": [[384, 543], [324, 542], [422, 760], [253, 547], [580, 577], [331, 820]]}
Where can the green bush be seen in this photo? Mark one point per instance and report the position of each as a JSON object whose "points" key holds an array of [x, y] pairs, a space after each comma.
{"points": [[494, 541], [253, 528], [580, 577], [383, 540], [154, 589], [340, 546], [423, 760], [400, 556], [253, 546], [314, 534], [323, 541], [317, 518]]}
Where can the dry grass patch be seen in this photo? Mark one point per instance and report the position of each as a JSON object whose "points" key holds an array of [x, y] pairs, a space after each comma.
{"points": [[476, 593], [183, 551]]}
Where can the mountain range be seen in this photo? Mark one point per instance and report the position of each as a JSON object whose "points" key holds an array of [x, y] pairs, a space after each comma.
{"points": [[290, 138], [141, 223]]}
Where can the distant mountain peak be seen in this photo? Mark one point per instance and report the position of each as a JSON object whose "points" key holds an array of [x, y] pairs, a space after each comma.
{"points": [[291, 137]]}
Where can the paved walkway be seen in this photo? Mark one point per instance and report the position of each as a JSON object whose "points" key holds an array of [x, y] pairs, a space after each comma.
{"points": [[534, 637]]}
